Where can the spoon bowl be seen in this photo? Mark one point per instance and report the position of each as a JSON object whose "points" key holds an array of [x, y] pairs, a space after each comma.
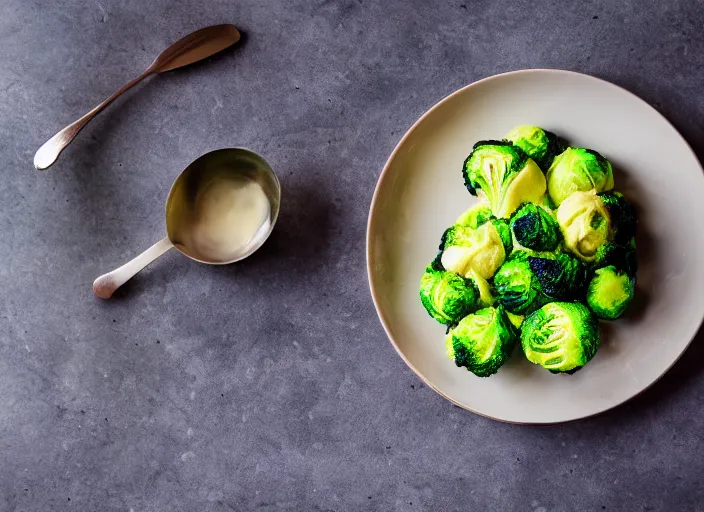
{"points": [[201, 219]]}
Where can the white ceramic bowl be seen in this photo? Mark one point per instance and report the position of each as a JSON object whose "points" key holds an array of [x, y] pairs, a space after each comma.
{"points": [[420, 193]]}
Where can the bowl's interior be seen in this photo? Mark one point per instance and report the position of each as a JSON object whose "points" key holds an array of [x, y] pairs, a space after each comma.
{"points": [[213, 169], [421, 193]]}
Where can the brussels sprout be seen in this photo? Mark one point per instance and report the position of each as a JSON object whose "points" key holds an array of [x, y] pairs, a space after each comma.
{"points": [[560, 336], [609, 292], [534, 228], [621, 257], [526, 282], [591, 221], [505, 175], [585, 223], [475, 216], [482, 341], [540, 145], [482, 249], [446, 296], [578, 170], [622, 216], [517, 288], [561, 276]]}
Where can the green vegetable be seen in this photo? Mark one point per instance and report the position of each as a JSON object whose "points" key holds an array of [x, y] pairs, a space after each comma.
{"points": [[482, 249], [535, 229], [621, 257], [482, 341], [504, 230], [526, 282], [505, 176], [475, 216], [591, 221], [585, 223], [486, 295], [560, 336], [446, 296], [609, 292], [540, 145], [543, 255], [516, 320], [578, 170], [622, 217]]}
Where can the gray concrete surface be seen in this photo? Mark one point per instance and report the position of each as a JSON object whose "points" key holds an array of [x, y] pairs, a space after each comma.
{"points": [[270, 385]]}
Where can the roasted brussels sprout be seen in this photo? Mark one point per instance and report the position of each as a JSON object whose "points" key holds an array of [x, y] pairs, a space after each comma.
{"points": [[621, 257], [585, 224], [446, 296], [560, 336], [534, 228], [505, 176], [609, 292], [482, 341], [482, 249], [590, 221], [578, 170], [526, 282], [540, 145], [622, 217]]}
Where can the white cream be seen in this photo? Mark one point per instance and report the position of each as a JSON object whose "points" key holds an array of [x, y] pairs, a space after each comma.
{"points": [[228, 216]]}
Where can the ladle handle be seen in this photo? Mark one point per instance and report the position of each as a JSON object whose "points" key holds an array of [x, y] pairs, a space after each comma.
{"points": [[106, 284], [51, 149]]}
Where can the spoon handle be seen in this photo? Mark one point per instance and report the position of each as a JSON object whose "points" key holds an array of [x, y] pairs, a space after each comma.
{"points": [[106, 284], [51, 149]]}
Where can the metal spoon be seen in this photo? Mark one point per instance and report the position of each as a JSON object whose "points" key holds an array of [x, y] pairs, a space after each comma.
{"points": [[185, 203], [194, 47]]}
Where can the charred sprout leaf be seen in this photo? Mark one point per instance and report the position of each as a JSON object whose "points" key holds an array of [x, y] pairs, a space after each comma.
{"points": [[622, 216], [534, 228], [526, 282], [621, 257], [560, 276]]}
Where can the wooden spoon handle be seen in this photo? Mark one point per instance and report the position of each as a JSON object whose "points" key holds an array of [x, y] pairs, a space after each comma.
{"points": [[106, 284], [51, 149]]}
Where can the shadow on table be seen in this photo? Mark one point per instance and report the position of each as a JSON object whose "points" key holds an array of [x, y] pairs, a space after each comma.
{"points": [[301, 236]]}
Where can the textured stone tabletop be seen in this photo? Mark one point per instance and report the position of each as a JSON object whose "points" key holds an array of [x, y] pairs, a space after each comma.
{"points": [[269, 384]]}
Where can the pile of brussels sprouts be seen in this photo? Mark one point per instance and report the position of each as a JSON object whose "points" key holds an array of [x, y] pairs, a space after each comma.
{"points": [[546, 252]]}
